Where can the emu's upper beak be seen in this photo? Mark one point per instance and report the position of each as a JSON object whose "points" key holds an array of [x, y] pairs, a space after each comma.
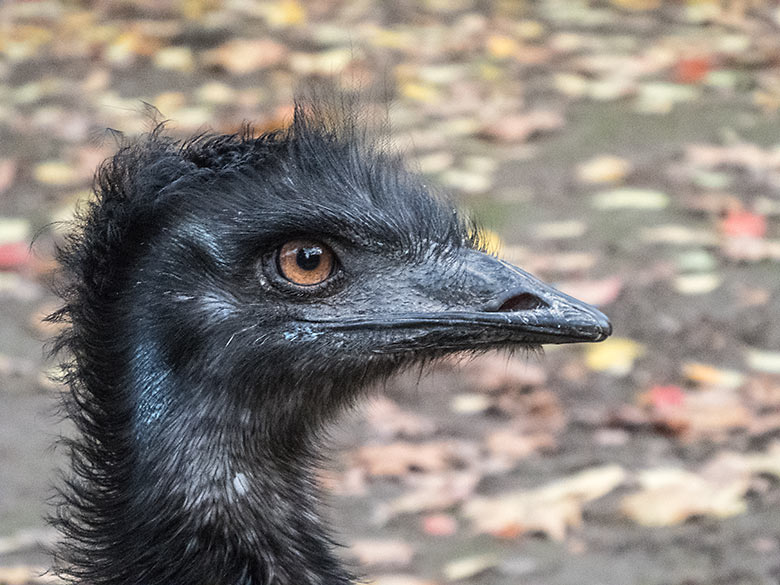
{"points": [[535, 310], [481, 302]]}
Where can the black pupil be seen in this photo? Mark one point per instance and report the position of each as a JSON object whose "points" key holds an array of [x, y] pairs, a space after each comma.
{"points": [[309, 258]]}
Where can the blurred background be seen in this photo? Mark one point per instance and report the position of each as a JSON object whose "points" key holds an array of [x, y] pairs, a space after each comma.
{"points": [[627, 151]]}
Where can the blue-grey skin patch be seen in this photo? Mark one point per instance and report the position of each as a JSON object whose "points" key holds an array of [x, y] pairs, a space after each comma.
{"points": [[302, 333], [150, 378]]}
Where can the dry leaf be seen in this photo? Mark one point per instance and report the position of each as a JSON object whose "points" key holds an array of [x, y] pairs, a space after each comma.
{"points": [[440, 524], [764, 361], [671, 496], [631, 198], [615, 356], [390, 421], [385, 553], [469, 566], [432, 492], [709, 375], [8, 168], [522, 127], [400, 580], [710, 414], [512, 446], [399, 458], [55, 173], [243, 56], [551, 509], [603, 169]]}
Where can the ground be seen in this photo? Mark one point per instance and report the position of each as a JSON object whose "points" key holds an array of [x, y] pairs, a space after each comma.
{"points": [[625, 151]]}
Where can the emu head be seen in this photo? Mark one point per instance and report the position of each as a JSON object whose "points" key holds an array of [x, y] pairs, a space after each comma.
{"points": [[283, 273]]}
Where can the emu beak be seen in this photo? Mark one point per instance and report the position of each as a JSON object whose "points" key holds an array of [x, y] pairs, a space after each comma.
{"points": [[500, 304], [479, 302], [523, 308], [533, 311]]}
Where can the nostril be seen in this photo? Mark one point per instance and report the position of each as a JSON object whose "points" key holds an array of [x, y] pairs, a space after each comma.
{"points": [[522, 302]]}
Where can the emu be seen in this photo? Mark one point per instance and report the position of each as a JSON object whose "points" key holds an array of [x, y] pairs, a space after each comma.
{"points": [[225, 298]]}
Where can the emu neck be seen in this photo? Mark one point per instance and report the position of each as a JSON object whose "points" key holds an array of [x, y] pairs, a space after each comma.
{"points": [[221, 492]]}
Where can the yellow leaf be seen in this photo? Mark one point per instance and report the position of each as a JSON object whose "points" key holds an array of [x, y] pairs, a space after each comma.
{"points": [[502, 47], [175, 58], [55, 172], [286, 13], [603, 169], [636, 5], [419, 92], [614, 356], [708, 375]]}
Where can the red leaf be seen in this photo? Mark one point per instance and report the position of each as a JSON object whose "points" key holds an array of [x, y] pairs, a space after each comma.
{"points": [[743, 223], [14, 255], [439, 525], [692, 69], [661, 396]]}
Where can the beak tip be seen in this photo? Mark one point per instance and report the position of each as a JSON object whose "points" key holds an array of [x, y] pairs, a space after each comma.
{"points": [[603, 328]]}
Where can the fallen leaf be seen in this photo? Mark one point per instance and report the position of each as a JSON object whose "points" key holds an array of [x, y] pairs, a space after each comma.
{"points": [[244, 56], [697, 284], [14, 230], [678, 235], [739, 222], [285, 13], [631, 198], [400, 580], [390, 421], [470, 403], [551, 509], [469, 566], [25, 575], [603, 169], [8, 168], [665, 396], [512, 445], [467, 181], [399, 458], [636, 5], [692, 69], [522, 127], [175, 59], [501, 46], [763, 361], [671, 496], [615, 356], [560, 230], [432, 492], [696, 261], [325, 63], [55, 173], [660, 98], [14, 255], [382, 553], [711, 414], [439, 524], [709, 375]]}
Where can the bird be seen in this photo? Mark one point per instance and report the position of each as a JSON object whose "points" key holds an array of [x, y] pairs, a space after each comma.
{"points": [[224, 298]]}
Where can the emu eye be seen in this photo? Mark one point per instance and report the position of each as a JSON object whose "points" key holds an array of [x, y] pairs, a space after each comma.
{"points": [[305, 262]]}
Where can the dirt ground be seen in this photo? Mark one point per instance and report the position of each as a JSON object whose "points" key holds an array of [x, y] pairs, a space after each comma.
{"points": [[624, 151]]}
